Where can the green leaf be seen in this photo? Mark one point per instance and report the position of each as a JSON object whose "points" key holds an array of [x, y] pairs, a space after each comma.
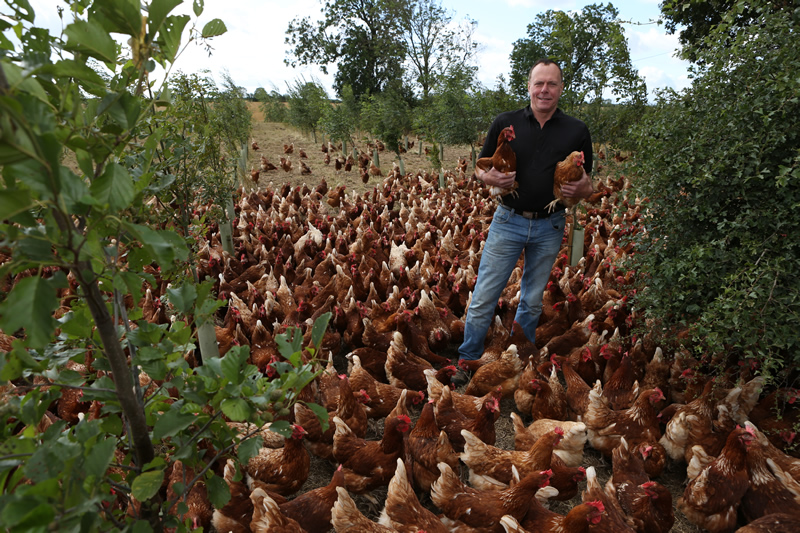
{"points": [[218, 491], [34, 246], [85, 162], [121, 16], [249, 448], [183, 297], [318, 330], [86, 76], [13, 201], [237, 409], [114, 187], [30, 305], [77, 323], [125, 110], [46, 463], [24, 514], [233, 362], [91, 39], [282, 427], [71, 378], [26, 358], [289, 342], [20, 80], [152, 361], [23, 10], [10, 366], [164, 98], [197, 7], [146, 485], [321, 413], [33, 174], [171, 422], [169, 35], [157, 13], [214, 28], [163, 246], [112, 425], [75, 192]]}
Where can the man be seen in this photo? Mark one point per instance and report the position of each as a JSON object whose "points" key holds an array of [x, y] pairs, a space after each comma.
{"points": [[544, 136]]}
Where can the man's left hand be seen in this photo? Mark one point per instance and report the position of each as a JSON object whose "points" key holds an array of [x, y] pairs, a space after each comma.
{"points": [[578, 189]]}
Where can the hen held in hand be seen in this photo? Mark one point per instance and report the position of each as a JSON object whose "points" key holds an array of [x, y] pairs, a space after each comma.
{"points": [[504, 160]]}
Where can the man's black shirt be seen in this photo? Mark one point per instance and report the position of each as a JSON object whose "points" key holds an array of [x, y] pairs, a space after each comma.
{"points": [[538, 150]]}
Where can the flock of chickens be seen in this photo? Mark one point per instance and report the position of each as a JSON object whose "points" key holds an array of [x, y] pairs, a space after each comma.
{"points": [[395, 267]]}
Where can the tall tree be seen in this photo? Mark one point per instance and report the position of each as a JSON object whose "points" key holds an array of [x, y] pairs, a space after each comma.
{"points": [[697, 19], [434, 44], [592, 50], [361, 37]]}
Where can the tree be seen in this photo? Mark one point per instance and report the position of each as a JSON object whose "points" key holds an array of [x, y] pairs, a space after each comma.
{"points": [[590, 47], [260, 94], [720, 168], [492, 102], [81, 158], [191, 150], [307, 103], [274, 107], [452, 116], [339, 121], [696, 20], [433, 44], [230, 116], [387, 116], [361, 37]]}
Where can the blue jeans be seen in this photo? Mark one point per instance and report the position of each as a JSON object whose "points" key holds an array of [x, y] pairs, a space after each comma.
{"points": [[510, 234]]}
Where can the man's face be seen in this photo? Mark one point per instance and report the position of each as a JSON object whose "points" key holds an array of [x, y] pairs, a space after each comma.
{"points": [[545, 88]]}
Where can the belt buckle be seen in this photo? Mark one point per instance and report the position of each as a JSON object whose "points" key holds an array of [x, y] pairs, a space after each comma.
{"points": [[530, 215]]}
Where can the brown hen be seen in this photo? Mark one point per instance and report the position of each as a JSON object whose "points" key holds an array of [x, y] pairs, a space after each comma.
{"points": [[570, 169], [504, 160]]}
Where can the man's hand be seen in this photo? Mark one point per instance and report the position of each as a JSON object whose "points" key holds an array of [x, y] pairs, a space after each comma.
{"points": [[496, 178], [578, 189]]}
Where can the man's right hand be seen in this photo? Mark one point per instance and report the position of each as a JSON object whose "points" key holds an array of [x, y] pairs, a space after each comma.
{"points": [[496, 178]]}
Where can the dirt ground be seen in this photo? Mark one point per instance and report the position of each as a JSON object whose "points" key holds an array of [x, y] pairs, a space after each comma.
{"points": [[272, 136]]}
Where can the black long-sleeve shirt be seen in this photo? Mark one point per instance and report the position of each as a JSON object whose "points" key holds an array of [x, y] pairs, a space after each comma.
{"points": [[538, 150]]}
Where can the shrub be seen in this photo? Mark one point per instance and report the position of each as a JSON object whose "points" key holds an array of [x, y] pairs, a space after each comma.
{"points": [[719, 166]]}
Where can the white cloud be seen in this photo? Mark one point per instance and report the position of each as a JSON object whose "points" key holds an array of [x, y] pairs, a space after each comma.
{"points": [[493, 58], [253, 49], [543, 5], [654, 55]]}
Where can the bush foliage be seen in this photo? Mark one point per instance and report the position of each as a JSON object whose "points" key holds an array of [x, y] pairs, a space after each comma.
{"points": [[82, 158], [719, 166]]}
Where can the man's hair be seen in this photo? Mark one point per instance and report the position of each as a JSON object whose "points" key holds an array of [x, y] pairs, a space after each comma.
{"points": [[545, 61]]}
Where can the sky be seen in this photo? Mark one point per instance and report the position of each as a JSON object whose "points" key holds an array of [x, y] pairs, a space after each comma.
{"points": [[252, 51]]}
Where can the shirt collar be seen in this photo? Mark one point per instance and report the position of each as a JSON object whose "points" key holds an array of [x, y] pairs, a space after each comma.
{"points": [[529, 113]]}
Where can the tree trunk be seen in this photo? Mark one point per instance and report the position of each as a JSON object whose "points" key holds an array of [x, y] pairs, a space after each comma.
{"points": [[131, 407]]}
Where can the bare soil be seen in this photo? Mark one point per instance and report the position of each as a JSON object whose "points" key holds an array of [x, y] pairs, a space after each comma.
{"points": [[272, 136]]}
